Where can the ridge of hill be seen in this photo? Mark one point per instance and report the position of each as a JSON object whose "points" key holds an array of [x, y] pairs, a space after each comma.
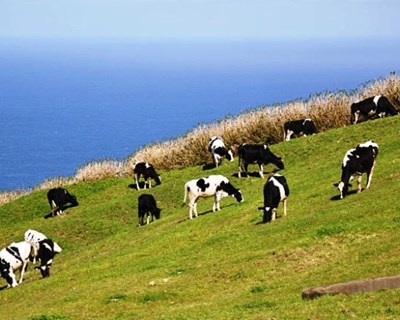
{"points": [[222, 265]]}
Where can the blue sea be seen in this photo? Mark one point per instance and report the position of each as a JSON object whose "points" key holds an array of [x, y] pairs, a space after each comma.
{"points": [[65, 103]]}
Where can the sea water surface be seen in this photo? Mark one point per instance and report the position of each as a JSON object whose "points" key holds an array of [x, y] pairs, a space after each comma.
{"points": [[66, 103]]}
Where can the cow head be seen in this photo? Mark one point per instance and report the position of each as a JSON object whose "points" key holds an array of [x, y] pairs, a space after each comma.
{"points": [[72, 199], [156, 213], [5, 271], [229, 156], [267, 214], [343, 188], [157, 179], [238, 196]]}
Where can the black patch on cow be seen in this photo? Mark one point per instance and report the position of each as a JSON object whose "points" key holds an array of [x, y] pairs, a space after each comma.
{"points": [[201, 183]]}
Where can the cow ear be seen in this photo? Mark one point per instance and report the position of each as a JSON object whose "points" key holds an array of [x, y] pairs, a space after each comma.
{"points": [[280, 158], [336, 184], [261, 208]]}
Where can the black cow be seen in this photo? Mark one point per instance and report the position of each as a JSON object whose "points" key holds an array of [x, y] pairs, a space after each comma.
{"points": [[47, 250], [303, 127], [147, 206], [257, 153], [374, 106], [147, 171], [218, 150], [355, 162], [58, 199], [276, 190]]}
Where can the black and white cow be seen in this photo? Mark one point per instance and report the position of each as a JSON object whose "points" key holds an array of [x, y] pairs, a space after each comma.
{"points": [[147, 206], [256, 153], [12, 258], [355, 162], [58, 199], [276, 190], [377, 105], [33, 237], [213, 185], [303, 127], [218, 150], [47, 250], [148, 172]]}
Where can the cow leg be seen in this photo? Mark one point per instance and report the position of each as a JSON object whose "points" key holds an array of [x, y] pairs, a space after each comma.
{"points": [[288, 135], [24, 265], [261, 172], [359, 178], [215, 161], [149, 215], [284, 207], [149, 182], [137, 182], [369, 176], [273, 214], [356, 115]]}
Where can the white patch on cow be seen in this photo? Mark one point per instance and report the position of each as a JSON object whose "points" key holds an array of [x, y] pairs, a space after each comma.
{"points": [[53, 204], [267, 208], [347, 156], [280, 187], [305, 120], [368, 144], [147, 165], [376, 99], [48, 247], [340, 187]]}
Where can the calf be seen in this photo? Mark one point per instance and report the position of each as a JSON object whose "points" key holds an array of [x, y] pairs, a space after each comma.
{"points": [[47, 250], [147, 171], [33, 237], [218, 150], [12, 258], [147, 206], [58, 199], [377, 105], [355, 162], [256, 153], [276, 190], [299, 127], [214, 185]]}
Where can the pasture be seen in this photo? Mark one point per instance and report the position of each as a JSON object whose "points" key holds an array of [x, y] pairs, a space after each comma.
{"points": [[221, 265]]}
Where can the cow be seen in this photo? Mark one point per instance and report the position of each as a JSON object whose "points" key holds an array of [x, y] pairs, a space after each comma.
{"points": [[378, 105], [303, 127], [12, 258], [218, 150], [33, 237], [276, 190], [256, 153], [356, 161], [148, 172], [58, 199], [213, 185], [47, 250], [147, 206]]}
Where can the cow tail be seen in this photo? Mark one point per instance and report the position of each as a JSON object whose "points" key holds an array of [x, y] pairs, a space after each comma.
{"points": [[185, 194]]}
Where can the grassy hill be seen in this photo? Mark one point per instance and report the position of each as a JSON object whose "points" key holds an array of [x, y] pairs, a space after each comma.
{"points": [[222, 265]]}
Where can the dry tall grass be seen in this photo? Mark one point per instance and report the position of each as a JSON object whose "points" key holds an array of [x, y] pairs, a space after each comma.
{"points": [[264, 124]]}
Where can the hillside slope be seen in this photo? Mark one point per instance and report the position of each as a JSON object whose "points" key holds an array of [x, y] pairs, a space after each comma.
{"points": [[222, 265]]}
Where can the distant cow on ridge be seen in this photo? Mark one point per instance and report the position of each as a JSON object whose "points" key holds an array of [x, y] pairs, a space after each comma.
{"points": [[147, 206], [214, 185], [378, 105], [148, 172], [356, 161], [259, 154], [218, 150], [303, 127], [58, 199]]}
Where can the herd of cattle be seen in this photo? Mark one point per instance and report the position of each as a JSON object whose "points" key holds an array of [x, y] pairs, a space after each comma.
{"points": [[361, 159]]}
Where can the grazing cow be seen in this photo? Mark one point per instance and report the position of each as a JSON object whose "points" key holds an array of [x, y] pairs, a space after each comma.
{"points": [[276, 190], [47, 250], [58, 199], [303, 127], [147, 206], [377, 105], [33, 237], [218, 150], [355, 162], [256, 153], [12, 258], [214, 185], [147, 171]]}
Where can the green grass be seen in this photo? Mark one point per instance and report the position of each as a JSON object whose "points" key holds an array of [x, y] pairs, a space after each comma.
{"points": [[222, 265]]}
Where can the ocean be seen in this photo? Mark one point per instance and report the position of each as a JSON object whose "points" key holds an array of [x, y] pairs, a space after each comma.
{"points": [[65, 103]]}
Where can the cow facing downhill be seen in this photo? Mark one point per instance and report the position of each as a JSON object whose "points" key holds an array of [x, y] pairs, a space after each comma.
{"points": [[58, 199], [256, 154], [213, 185], [13, 258], [355, 162], [276, 190], [147, 207], [148, 172], [47, 250], [379, 106], [33, 237], [302, 127], [219, 151]]}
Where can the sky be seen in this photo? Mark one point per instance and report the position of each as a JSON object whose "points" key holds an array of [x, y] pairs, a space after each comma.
{"points": [[198, 19]]}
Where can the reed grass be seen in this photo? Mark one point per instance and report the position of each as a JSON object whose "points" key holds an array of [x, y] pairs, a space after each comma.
{"points": [[259, 125]]}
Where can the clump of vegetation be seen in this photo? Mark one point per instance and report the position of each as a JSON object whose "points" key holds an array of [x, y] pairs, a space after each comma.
{"points": [[264, 124]]}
